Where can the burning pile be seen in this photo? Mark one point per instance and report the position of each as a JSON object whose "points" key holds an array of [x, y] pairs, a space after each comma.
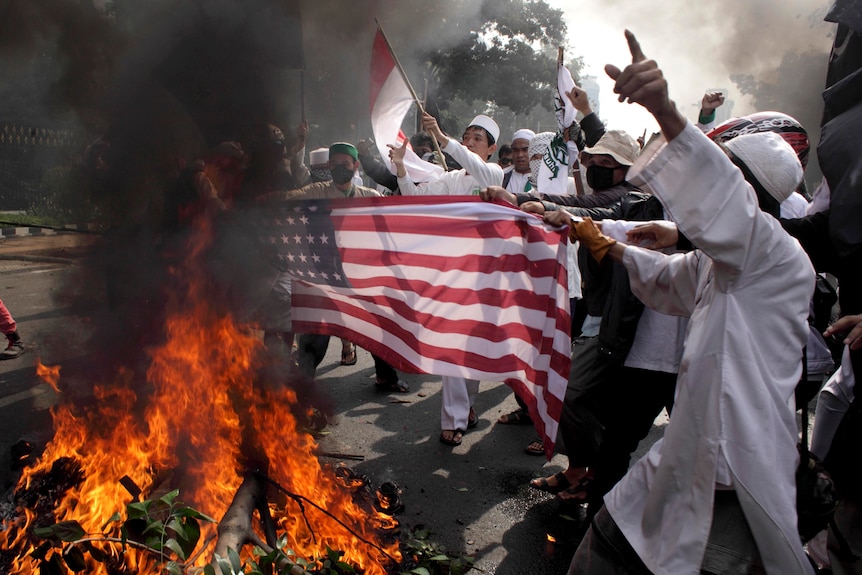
{"points": [[204, 411]]}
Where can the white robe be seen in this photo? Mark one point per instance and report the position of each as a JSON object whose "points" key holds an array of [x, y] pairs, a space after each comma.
{"points": [[476, 174], [746, 290]]}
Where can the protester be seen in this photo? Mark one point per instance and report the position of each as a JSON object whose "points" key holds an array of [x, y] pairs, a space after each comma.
{"points": [[729, 452], [342, 165], [504, 158], [517, 179], [15, 347], [478, 142]]}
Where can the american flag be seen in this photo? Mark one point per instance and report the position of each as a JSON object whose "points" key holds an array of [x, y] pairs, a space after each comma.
{"points": [[440, 285]]}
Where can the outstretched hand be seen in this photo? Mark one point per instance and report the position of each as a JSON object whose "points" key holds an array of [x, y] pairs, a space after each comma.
{"points": [[655, 235], [396, 156], [642, 82], [852, 326]]}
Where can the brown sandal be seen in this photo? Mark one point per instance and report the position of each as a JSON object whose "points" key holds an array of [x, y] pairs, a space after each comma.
{"points": [[348, 354]]}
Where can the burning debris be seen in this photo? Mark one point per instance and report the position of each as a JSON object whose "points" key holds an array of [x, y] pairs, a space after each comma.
{"points": [[206, 427]]}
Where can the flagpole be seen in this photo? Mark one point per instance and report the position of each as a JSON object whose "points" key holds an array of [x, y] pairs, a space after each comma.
{"points": [[412, 92]]}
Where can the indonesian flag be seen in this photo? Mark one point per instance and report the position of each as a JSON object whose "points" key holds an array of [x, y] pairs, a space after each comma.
{"points": [[390, 100], [434, 284]]}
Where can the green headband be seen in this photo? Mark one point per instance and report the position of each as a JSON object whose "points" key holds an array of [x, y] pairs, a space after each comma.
{"points": [[344, 148]]}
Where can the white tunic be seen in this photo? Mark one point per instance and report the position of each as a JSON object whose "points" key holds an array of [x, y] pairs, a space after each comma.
{"points": [[746, 290], [475, 175]]}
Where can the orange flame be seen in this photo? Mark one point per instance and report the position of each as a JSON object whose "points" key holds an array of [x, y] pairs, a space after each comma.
{"points": [[201, 402], [49, 374]]}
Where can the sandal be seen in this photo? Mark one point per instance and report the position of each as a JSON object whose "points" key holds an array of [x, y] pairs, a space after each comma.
{"points": [[348, 354], [561, 483], [472, 419], [535, 447], [517, 417], [579, 492], [454, 439], [397, 386]]}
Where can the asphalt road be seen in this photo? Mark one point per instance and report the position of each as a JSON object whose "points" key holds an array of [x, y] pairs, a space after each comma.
{"points": [[473, 498]]}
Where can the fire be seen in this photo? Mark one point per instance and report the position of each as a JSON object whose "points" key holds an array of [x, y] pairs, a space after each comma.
{"points": [[49, 374], [201, 402]]}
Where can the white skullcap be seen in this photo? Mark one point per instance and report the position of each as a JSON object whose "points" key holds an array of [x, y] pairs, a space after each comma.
{"points": [[489, 124], [771, 160], [617, 144], [318, 157], [524, 134]]}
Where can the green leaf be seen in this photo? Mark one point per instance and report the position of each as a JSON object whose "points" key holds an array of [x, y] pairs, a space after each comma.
{"points": [[112, 519], [173, 568], [332, 554], [189, 512], [193, 534], [209, 570], [177, 527], [96, 553], [168, 498], [64, 531], [74, 558], [421, 571], [41, 551], [53, 566], [235, 561], [156, 526], [174, 546], [439, 558], [224, 565], [138, 509]]}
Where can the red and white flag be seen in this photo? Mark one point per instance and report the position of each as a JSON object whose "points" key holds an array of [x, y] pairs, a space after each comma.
{"points": [[440, 285], [390, 100]]}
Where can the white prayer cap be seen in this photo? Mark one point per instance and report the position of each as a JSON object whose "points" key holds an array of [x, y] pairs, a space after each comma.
{"points": [[489, 124], [318, 157], [771, 160], [617, 144], [524, 134]]}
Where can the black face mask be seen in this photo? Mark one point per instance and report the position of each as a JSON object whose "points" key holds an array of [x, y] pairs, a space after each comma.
{"points": [[600, 178], [341, 174]]}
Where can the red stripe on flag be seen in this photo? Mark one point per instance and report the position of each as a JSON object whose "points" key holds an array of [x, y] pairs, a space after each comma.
{"points": [[424, 296], [382, 65]]}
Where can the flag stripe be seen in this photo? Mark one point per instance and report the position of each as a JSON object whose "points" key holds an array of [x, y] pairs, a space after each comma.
{"points": [[460, 288]]}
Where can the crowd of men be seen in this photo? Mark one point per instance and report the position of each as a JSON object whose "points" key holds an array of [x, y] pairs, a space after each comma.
{"points": [[693, 264]]}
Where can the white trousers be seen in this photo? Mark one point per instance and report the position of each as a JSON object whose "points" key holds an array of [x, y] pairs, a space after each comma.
{"points": [[458, 397]]}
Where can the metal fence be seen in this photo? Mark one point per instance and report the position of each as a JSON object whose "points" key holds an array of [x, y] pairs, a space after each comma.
{"points": [[29, 154]]}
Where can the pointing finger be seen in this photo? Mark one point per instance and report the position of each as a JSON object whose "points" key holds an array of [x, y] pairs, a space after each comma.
{"points": [[635, 48]]}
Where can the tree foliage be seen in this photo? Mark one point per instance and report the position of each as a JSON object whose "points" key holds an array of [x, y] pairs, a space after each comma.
{"points": [[508, 60]]}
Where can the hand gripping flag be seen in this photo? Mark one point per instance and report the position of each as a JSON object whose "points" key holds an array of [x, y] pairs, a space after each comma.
{"points": [[440, 285]]}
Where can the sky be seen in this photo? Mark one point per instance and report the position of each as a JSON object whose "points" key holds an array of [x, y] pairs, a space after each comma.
{"points": [[696, 44]]}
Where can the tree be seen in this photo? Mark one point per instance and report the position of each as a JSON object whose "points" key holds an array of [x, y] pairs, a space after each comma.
{"points": [[508, 60]]}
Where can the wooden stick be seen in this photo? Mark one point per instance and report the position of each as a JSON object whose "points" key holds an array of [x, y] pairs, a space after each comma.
{"points": [[412, 91]]}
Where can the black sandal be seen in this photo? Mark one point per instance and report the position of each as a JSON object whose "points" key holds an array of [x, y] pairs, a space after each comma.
{"points": [[573, 493], [457, 436], [396, 386], [517, 417], [561, 483]]}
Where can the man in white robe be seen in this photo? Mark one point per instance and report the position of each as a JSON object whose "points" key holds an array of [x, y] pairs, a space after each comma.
{"points": [[477, 144], [746, 290]]}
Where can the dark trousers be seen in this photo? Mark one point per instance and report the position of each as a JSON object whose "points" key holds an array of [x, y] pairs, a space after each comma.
{"points": [[730, 549], [637, 398], [311, 350]]}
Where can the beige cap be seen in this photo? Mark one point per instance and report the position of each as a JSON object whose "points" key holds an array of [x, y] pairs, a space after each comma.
{"points": [[617, 144]]}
